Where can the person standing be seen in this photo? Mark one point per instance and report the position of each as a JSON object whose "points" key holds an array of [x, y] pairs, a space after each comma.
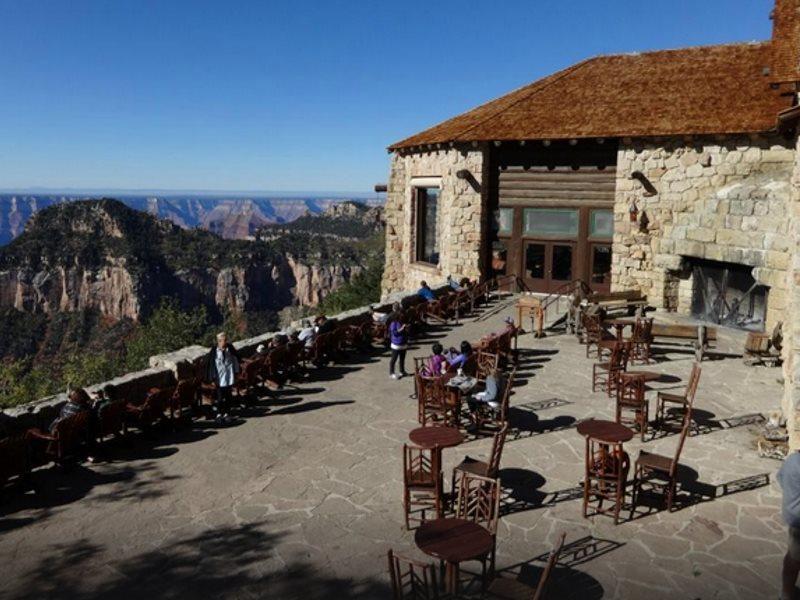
{"points": [[789, 478], [222, 368], [398, 342]]}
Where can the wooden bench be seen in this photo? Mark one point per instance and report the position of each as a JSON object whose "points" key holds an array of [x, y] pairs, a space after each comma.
{"points": [[700, 336], [628, 300]]}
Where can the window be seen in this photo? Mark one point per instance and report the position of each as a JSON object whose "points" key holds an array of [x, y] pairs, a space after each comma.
{"points": [[601, 223], [551, 222], [601, 263], [504, 221], [427, 232]]}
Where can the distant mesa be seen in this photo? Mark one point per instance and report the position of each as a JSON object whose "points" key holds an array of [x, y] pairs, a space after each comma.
{"points": [[232, 218]]}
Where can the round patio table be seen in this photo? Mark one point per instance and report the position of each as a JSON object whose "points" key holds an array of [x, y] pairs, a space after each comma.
{"points": [[620, 325], [453, 541], [609, 432], [437, 436]]}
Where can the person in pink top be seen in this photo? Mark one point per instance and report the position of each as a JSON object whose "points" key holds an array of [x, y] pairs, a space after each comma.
{"points": [[436, 363]]}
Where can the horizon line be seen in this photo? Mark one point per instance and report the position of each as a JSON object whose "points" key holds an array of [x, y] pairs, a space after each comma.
{"points": [[196, 192]]}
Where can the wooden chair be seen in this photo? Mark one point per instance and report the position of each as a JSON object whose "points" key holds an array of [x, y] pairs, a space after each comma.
{"points": [[632, 406], [605, 477], [605, 373], [486, 362], [295, 360], [422, 482], [593, 334], [432, 401], [151, 410], [441, 309], [660, 472], [67, 439], [479, 501], [511, 589], [15, 458], [111, 420], [185, 398], [318, 354], [683, 401], [474, 466], [488, 420], [412, 579], [641, 342]]}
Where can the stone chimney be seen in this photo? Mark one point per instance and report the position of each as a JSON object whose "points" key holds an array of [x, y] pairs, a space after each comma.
{"points": [[785, 41]]}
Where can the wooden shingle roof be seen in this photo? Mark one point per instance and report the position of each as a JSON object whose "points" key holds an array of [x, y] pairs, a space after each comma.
{"points": [[689, 91]]}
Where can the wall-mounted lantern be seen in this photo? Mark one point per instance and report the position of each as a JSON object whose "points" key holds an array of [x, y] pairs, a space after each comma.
{"points": [[633, 211]]}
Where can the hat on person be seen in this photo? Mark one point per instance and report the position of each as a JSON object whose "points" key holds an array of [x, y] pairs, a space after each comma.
{"points": [[261, 349]]}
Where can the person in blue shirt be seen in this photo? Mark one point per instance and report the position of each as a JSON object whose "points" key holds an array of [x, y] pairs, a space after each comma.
{"points": [[460, 359], [425, 292], [454, 285]]}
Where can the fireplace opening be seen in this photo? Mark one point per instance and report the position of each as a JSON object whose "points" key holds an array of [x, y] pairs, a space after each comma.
{"points": [[727, 294]]}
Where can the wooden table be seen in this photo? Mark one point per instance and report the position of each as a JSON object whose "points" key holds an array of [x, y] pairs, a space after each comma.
{"points": [[609, 436], [437, 436], [453, 541], [620, 325], [610, 432]]}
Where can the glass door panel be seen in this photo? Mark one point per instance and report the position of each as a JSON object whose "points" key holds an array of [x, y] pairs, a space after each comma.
{"points": [[535, 261], [562, 263]]}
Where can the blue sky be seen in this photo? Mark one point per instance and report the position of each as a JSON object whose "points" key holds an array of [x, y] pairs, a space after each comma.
{"points": [[284, 95]]}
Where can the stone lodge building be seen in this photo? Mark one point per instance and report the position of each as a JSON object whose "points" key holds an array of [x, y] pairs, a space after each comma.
{"points": [[672, 172]]}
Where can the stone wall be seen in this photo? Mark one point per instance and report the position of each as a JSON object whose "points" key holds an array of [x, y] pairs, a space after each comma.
{"points": [[165, 370], [791, 324], [723, 200], [461, 217]]}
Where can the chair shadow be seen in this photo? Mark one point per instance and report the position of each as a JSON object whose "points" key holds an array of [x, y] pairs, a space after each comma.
{"points": [[691, 492], [520, 490], [524, 423], [704, 423]]}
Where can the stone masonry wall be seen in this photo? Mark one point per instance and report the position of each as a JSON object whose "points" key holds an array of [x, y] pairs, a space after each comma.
{"points": [[791, 324], [460, 217], [722, 200]]}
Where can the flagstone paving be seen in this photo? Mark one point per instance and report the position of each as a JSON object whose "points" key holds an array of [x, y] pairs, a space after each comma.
{"points": [[301, 497]]}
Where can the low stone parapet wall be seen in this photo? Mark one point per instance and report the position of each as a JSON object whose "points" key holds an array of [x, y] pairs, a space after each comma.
{"points": [[165, 370]]}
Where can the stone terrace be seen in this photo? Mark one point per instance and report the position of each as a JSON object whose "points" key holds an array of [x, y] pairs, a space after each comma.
{"points": [[301, 498]]}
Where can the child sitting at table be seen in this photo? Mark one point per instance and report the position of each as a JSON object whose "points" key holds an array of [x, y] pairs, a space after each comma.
{"points": [[437, 363]]}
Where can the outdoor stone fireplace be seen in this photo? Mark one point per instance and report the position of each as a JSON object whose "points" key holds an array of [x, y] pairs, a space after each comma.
{"points": [[711, 238]]}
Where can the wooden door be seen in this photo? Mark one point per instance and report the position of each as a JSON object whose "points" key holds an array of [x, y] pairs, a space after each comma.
{"points": [[547, 265]]}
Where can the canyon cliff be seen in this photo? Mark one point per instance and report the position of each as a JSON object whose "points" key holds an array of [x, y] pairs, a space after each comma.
{"points": [[102, 255]]}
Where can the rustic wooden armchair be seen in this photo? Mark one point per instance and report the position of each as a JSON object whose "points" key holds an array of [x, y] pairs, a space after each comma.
{"points": [[67, 439], [412, 579], [422, 483], [185, 399], [479, 501], [154, 407], [442, 309], [511, 589], [111, 420], [295, 359], [684, 401], [660, 472], [605, 477], [486, 468], [605, 373]]}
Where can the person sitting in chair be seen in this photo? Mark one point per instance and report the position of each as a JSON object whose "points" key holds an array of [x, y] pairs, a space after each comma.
{"points": [[437, 363], [459, 360], [425, 292], [491, 395]]}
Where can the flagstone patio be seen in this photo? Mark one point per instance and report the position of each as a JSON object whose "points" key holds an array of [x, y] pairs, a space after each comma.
{"points": [[301, 496]]}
